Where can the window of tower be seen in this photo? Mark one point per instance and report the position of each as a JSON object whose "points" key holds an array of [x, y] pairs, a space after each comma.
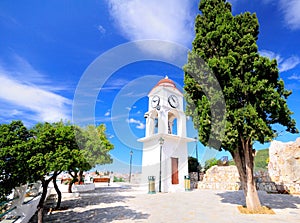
{"points": [[156, 125], [172, 124]]}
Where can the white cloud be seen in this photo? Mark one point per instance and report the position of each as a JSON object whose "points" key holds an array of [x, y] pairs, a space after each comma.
{"points": [[169, 20], [291, 10], [27, 93], [101, 29], [139, 124], [283, 64], [270, 54], [107, 113], [289, 63], [111, 136], [294, 77]]}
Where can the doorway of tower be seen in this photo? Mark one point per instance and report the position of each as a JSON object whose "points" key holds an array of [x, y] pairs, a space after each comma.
{"points": [[174, 162]]}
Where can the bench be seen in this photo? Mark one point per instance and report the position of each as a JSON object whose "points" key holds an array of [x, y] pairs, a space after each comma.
{"points": [[101, 180]]}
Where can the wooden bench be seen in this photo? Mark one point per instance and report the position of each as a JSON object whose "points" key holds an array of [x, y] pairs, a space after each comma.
{"points": [[101, 180]]}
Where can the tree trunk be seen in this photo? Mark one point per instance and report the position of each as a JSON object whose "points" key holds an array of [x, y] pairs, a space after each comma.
{"points": [[40, 207], [74, 179], [80, 176], [70, 186], [57, 191], [244, 159]]}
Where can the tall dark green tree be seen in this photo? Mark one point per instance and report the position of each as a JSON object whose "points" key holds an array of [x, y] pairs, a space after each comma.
{"points": [[250, 86]]}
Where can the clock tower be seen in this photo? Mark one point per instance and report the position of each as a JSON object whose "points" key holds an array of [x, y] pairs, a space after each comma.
{"points": [[165, 153]]}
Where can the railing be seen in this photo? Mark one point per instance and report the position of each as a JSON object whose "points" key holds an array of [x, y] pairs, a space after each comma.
{"points": [[6, 207], [22, 204]]}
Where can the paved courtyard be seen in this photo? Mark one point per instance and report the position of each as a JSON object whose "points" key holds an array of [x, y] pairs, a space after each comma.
{"points": [[131, 204]]}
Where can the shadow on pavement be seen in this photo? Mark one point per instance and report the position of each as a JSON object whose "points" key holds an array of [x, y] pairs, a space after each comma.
{"points": [[276, 201], [97, 215], [109, 202]]}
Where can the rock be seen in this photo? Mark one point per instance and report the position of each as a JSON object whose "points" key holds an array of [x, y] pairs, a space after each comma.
{"points": [[221, 178], [284, 162]]}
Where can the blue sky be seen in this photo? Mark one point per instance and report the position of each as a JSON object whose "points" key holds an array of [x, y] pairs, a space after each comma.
{"points": [[47, 48]]}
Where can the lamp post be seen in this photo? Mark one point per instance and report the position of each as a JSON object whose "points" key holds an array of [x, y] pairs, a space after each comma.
{"points": [[196, 141], [131, 153], [161, 142]]}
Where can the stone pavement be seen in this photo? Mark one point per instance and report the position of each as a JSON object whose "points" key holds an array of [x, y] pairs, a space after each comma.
{"points": [[131, 204]]}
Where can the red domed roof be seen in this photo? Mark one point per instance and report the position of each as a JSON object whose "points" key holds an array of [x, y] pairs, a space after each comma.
{"points": [[166, 82]]}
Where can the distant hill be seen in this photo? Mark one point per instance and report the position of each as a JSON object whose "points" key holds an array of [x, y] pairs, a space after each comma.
{"points": [[260, 160]]}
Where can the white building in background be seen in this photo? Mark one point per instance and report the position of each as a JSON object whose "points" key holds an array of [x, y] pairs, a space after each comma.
{"points": [[165, 122]]}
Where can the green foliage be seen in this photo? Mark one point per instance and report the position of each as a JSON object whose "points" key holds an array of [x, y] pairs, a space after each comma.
{"points": [[255, 96], [56, 149], [231, 163], [14, 153], [193, 164], [31, 155], [210, 162], [95, 144], [260, 160], [248, 87], [118, 179]]}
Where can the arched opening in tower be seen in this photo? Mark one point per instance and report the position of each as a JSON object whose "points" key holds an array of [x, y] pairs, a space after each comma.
{"points": [[172, 123]]}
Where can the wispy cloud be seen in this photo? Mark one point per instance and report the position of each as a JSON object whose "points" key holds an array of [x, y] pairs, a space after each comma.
{"points": [[139, 124], [29, 95], [289, 63], [294, 77], [283, 64], [169, 20], [115, 84], [291, 10], [101, 29]]}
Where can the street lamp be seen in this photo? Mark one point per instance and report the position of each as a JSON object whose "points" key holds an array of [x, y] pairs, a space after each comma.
{"points": [[131, 153], [161, 142], [196, 141]]}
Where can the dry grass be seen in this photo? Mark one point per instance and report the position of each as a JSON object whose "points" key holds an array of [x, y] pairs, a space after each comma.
{"points": [[262, 210]]}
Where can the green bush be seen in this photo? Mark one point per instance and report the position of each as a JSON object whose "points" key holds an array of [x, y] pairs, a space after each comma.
{"points": [[261, 160], [209, 163], [118, 179]]}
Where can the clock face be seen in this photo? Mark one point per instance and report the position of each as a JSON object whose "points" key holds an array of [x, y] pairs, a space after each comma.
{"points": [[173, 101], [155, 101]]}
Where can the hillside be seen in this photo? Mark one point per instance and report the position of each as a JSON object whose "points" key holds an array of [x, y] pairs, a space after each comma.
{"points": [[260, 160]]}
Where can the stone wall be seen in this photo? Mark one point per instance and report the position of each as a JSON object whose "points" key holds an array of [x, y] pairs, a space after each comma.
{"points": [[284, 165], [227, 178], [221, 178], [194, 179], [283, 173]]}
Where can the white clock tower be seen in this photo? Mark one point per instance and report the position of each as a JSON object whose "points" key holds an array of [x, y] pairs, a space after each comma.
{"points": [[165, 153]]}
